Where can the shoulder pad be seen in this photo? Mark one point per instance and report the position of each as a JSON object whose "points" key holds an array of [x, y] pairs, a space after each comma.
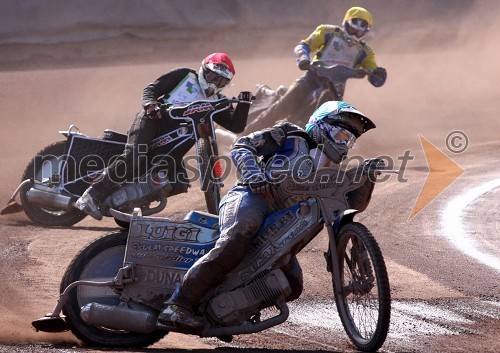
{"points": [[330, 28], [301, 133], [291, 129], [287, 126]]}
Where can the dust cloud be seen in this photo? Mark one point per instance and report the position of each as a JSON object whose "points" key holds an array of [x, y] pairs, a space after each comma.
{"points": [[442, 62]]}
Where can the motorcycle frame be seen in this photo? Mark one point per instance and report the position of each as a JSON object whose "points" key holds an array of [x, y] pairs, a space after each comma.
{"points": [[193, 127], [196, 122]]}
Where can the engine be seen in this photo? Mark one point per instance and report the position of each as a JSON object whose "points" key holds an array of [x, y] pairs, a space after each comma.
{"points": [[141, 192], [233, 307]]}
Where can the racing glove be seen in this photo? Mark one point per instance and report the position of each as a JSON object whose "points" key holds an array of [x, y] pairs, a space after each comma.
{"points": [[304, 64], [245, 97], [258, 184], [152, 111], [379, 76]]}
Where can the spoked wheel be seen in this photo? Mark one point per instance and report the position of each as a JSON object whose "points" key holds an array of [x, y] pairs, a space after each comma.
{"points": [[46, 163], [100, 261], [363, 298], [209, 174]]}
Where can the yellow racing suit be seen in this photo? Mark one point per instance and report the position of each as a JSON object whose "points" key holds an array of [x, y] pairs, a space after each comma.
{"points": [[331, 45]]}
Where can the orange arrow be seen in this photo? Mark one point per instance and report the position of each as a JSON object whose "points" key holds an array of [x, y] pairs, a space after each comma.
{"points": [[442, 172]]}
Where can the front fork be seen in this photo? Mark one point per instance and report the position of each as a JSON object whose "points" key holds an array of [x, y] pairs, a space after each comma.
{"points": [[332, 254], [204, 130], [332, 260]]}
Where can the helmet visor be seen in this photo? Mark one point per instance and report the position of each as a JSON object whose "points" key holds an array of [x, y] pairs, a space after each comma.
{"points": [[341, 135], [217, 74], [357, 27]]}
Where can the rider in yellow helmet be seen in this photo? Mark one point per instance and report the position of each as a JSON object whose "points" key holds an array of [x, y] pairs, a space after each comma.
{"points": [[332, 45], [357, 21]]}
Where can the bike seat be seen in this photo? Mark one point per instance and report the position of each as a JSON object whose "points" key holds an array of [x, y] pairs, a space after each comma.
{"points": [[203, 219], [112, 135]]}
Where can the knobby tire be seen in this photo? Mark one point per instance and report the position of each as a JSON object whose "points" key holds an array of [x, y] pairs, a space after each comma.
{"points": [[363, 298], [100, 259], [44, 215]]}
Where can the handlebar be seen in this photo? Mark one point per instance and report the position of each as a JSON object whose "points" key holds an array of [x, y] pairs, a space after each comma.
{"points": [[205, 101], [377, 166], [204, 105], [338, 73]]}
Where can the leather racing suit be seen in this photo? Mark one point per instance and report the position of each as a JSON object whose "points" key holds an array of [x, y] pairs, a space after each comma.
{"points": [[284, 148], [177, 87]]}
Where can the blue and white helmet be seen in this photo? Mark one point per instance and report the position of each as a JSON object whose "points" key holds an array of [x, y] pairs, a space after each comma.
{"points": [[336, 125]]}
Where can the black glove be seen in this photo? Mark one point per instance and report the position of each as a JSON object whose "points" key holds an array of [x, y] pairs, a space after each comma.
{"points": [[379, 76], [259, 184], [373, 164], [304, 64], [152, 111], [245, 96]]}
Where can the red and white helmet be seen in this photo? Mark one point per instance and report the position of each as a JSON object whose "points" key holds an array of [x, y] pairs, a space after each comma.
{"points": [[215, 73]]}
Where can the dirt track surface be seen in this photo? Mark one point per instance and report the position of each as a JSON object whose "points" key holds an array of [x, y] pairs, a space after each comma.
{"points": [[446, 297]]}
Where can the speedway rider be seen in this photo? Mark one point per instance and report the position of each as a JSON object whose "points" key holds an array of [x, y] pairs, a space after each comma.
{"points": [[332, 45], [180, 86], [262, 158]]}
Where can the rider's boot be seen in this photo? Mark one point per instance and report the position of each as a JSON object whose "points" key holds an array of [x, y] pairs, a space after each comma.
{"points": [[178, 316], [178, 313], [87, 204]]}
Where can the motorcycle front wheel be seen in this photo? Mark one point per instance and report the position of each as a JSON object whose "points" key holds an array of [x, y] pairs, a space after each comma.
{"points": [[100, 261], [210, 184], [45, 164], [363, 298]]}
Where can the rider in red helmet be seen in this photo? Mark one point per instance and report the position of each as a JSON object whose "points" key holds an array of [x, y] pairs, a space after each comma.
{"points": [[216, 71], [180, 86]]}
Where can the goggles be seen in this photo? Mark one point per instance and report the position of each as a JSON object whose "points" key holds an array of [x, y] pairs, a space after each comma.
{"points": [[341, 135], [358, 27], [217, 74]]}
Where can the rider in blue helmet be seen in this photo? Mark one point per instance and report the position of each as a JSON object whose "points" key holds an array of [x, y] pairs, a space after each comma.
{"points": [[262, 158]]}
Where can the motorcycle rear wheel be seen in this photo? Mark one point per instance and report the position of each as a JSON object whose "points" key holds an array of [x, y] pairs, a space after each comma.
{"points": [[325, 96], [209, 183], [100, 261], [363, 298], [46, 162]]}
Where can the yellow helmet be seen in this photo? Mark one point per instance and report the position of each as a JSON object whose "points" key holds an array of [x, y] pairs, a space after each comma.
{"points": [[357, 21]]}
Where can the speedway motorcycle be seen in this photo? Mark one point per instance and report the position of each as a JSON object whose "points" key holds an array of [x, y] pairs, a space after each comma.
{"points": [[59, 174], [114, 289], [334, 79]]}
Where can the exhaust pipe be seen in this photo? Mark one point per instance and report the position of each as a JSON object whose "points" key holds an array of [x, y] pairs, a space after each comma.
{"points": [[50, 199], [119, 317]]}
